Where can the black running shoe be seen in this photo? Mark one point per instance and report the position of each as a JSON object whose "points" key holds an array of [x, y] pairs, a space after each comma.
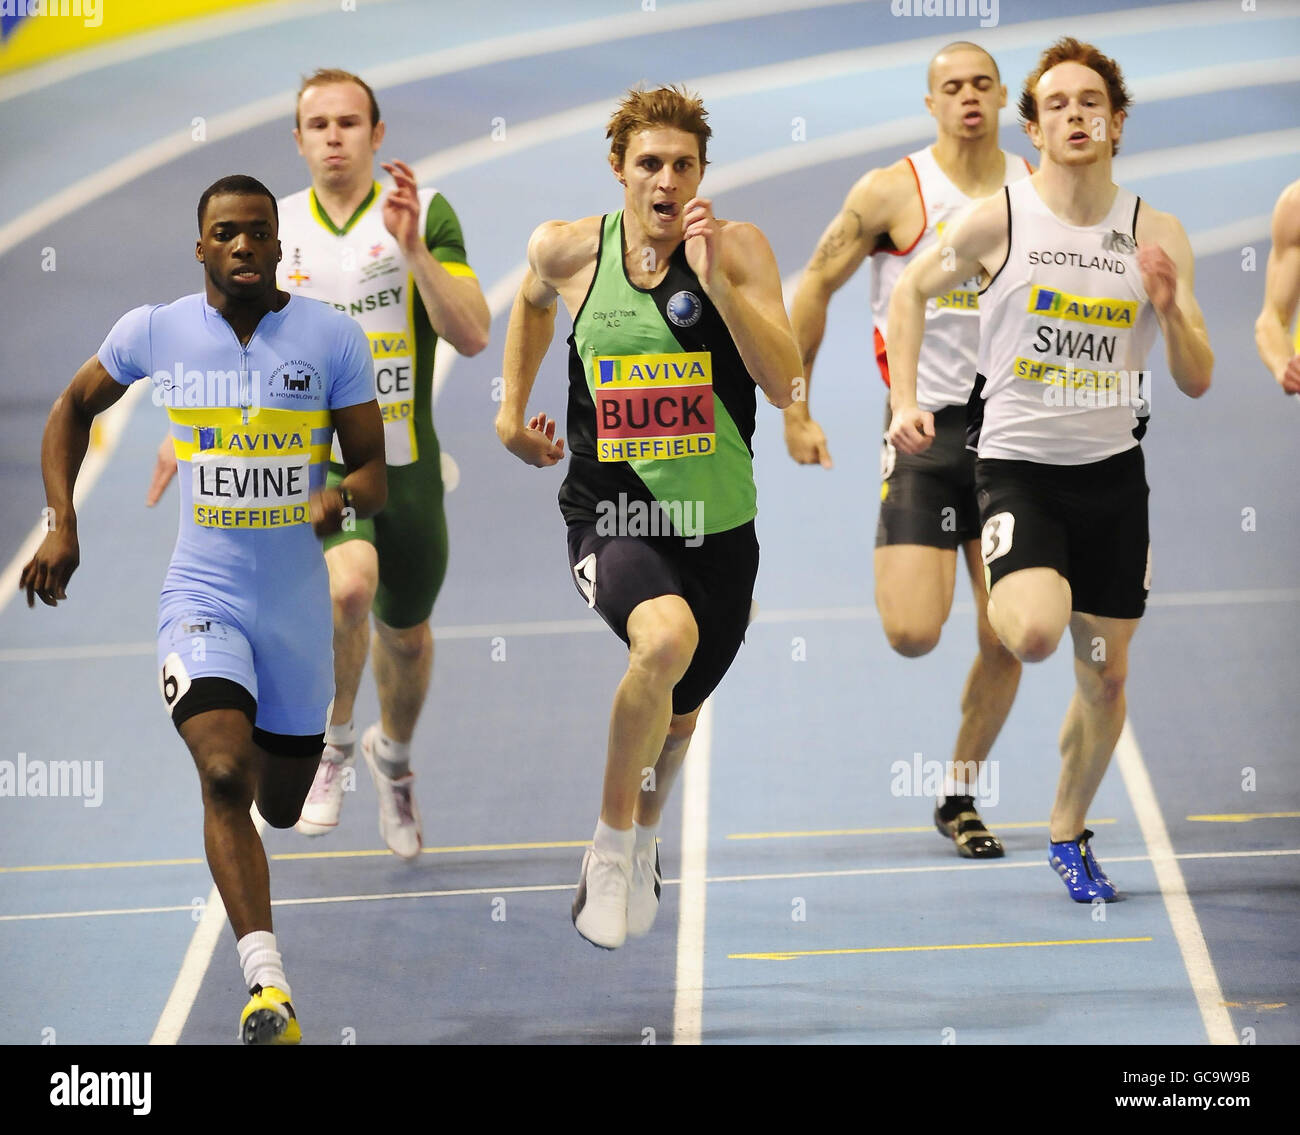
{"points": [[965, 828]]}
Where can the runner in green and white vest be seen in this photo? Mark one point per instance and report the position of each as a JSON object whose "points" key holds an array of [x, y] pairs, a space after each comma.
{"points": [[396, 263]]}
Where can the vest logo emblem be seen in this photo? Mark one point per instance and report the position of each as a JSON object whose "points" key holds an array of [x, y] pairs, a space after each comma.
{"points": [[685, 309], [298, 276], [1119, 242]]}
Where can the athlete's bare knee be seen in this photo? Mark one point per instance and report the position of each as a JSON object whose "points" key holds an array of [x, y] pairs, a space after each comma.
{"points": [[227, 784], [408, 643], [682, 726], [1033, 643], [1103, 686], [664, 651], [279, 813], [351, 595], [912, 640]]}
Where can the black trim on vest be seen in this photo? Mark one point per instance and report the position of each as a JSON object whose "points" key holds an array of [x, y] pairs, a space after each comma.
{"points": [[600, 248], [1006, 192]]}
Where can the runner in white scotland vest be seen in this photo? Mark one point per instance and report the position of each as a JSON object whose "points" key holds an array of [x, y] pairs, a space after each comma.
{"points": [[943, 374], [1080, 274], [1065, 331]]}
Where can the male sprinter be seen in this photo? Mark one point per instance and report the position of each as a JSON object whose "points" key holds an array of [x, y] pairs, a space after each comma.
{"points": [[1280, 353], [253, 380], [1079, 273], [397, 265], [661, 412], [927, 501]]}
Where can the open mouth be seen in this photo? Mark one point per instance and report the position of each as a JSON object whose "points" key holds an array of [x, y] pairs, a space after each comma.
{"points": [[972, 117], [668, 210], [1079, 136], [247, 275]]}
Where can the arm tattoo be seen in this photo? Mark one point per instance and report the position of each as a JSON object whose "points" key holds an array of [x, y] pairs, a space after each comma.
{"points": [[844, 233]]}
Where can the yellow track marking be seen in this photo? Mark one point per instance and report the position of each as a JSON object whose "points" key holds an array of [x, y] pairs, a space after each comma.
{"points": [[301, 855], [890, 831], [791, 955], [1243, 817]]}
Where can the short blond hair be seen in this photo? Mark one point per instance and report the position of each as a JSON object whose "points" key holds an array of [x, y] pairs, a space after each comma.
{"points": [[326, 76], [665, 106]]}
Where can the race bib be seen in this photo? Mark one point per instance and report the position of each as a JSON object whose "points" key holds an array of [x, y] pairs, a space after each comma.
{"points": [[393, 355], [251, 477], [653, 407]]}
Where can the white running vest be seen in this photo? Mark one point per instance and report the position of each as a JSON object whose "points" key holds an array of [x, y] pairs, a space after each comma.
{"points": [[945, 371], [1065, 328], [364, 274]]}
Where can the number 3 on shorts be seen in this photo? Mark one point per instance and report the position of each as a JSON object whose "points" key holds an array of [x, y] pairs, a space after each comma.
{"points": [[995, 539], [173, 680]]}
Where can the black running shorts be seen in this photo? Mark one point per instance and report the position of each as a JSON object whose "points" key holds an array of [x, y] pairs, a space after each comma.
{"points": [[929, 498], [206, 694], [1086, 522], [615, 574]]}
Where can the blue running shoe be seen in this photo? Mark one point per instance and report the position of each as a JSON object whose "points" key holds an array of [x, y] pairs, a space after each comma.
{"points": [[1073, 861]]}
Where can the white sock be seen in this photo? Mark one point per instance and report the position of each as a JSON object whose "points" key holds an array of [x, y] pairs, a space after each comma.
{"points": [[645, 837], [959, 781], [341, 736], [393, 757], [613, 841], [261, 961]]}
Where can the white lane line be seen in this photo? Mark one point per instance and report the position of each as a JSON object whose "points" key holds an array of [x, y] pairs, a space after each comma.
{"points": [[1231, 237], [142, 161], [1225, 598], [198, 955], [104, 436], [593, 115], [87, 190], [594, 625], [194, 966], [1173, 889], [710, 880], [1207, 155], [688, 1001]]}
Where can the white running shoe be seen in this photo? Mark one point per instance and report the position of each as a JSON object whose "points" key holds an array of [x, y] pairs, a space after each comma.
{"points": [[600, 906], [399, 814], [643, 899], [320, 811]]}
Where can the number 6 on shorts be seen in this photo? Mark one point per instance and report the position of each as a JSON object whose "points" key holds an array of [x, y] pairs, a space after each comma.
{"points": [[173, 680]]}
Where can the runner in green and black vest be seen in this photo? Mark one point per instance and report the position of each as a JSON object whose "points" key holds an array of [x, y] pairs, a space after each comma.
{"points": [[676, 316]]}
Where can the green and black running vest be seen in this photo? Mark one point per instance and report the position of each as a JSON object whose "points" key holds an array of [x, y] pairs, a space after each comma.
{"points": [[661, 407]]}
